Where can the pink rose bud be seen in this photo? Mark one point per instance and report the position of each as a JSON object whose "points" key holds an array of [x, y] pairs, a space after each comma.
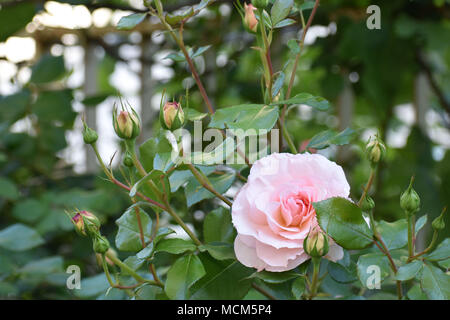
{"points": [[85, 222], [171, 116], [375, 149], [316, 244], [250, 21], [126, 123]]}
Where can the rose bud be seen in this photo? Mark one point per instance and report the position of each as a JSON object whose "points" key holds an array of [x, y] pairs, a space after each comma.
{"points": [[110, 251], [126, 123], [250, 21], [85, 221], [171, 116], [409, 200], [439, 223], [100, 244], [367, 204], [316, 244], [89, 135], [376, 150]]}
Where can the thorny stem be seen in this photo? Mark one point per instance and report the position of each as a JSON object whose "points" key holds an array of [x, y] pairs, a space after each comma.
{"points": [[429, 248], [410, 221], [386, 252], [297, 57], [130, 271], [207, 185], [367, 187], [263, 292]]}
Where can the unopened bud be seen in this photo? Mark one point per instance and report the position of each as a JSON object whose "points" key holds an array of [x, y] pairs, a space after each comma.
{"points": [[171, 116], [409, 200], [126, 123], [89, 135], [376, 150], [128, 160], [260, 3], [316, 244], [439, 223], [100, 244], [250, 21], [367, 204], [85, 223], [110, 251]]}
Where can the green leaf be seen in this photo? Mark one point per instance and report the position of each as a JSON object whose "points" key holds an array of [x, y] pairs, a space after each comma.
{"points": [[223, 280], [156, 153], [409, 271], [420, 223], [435, 283], [441, 252], [194, 115], [394, 234], [343, 221], [29, 210], [131, 21], [298, 287], [175, 246], [416, 293], [14, 106], [53, 106], [92, 286], [307, 5], [280, 10], [217, 226], [19, 237], [128, 237], [200, 51], [186, 271], [195, 192], [367, 266], [49, 68], [285, 23], [160, 181], [43, 266], [245, 117], [15, 18], [341, 273], [278, 84], [444, 263], [294, 46], [326, 138], [219, 250], [275, 277], [8, 189], [316, 102]]}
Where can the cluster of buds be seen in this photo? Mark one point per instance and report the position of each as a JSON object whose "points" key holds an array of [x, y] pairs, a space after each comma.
{"points": [[316, 244], [376, 150], [250, 21], [126, 123], [171, 115], [409, 200], [86, 224]]}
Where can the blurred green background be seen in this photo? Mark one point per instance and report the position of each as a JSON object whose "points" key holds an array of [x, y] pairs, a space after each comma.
{"points": [[62, 59]]}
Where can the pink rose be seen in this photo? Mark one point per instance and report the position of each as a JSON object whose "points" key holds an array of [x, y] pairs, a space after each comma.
{"points": [[273, 212]]}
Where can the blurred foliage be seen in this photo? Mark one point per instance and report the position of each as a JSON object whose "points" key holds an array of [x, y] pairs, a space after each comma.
{"points": [[380, 66]]}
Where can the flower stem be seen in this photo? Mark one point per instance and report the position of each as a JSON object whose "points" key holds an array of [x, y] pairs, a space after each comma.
{"points": [[410, 221], [315, 278], [207, 185], [286, 136], [367, 187]]}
